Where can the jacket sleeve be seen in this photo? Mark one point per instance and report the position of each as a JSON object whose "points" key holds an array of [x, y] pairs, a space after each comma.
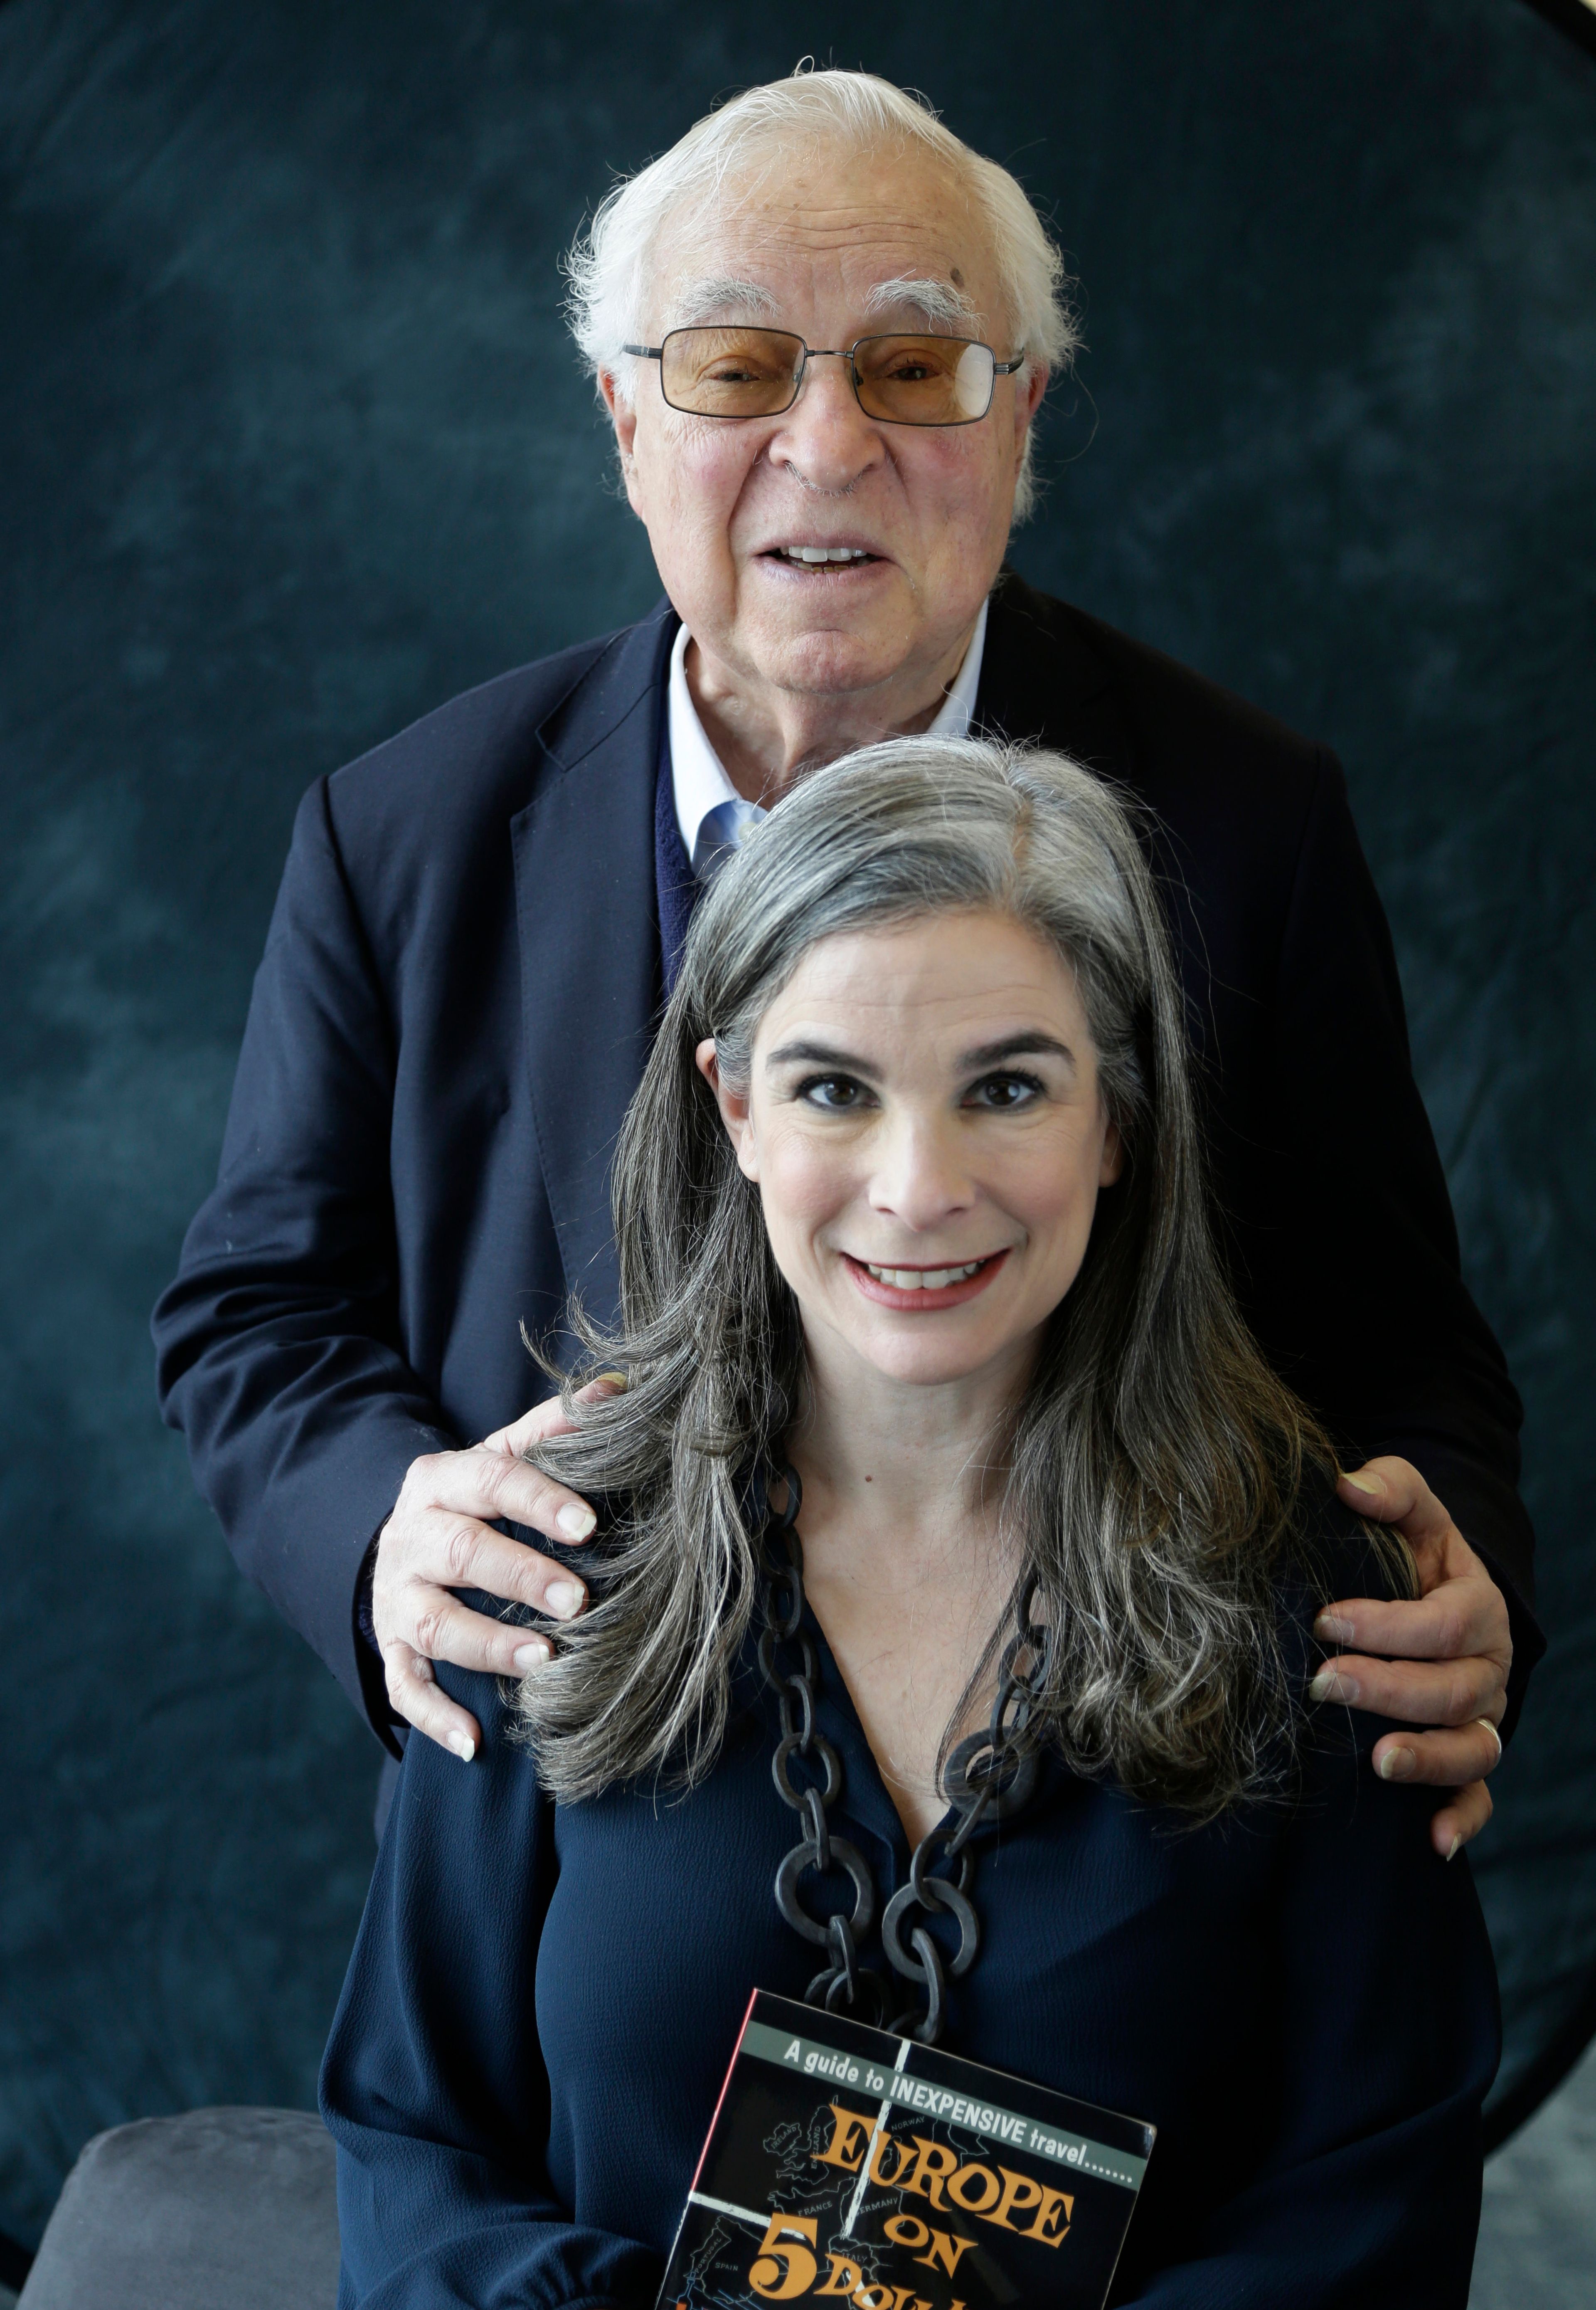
{"points": [[277, 1344], [1385, 1340], [434, 2085], [1368, 2191]]}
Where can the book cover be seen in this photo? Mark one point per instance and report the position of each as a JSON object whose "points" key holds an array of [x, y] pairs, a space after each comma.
{"points": [[847, 2165]]}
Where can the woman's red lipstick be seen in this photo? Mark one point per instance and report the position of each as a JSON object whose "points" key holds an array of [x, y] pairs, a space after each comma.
{"points": [[918, 1301]]}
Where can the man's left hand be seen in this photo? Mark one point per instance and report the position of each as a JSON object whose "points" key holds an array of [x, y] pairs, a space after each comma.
{"points": [[1447, 1654]]}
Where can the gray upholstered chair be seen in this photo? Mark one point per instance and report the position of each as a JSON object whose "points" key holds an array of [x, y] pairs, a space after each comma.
{"points": [[218, 2209]]}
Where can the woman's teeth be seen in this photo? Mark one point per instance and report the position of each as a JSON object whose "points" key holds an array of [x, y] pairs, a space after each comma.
{"points": [[812, 553], [924, 1278]]}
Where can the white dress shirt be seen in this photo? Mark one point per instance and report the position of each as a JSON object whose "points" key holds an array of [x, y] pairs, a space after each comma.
{"points": [[700, 785]]}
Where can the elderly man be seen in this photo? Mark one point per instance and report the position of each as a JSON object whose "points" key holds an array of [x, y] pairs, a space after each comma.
{"points": [[823, 328]]}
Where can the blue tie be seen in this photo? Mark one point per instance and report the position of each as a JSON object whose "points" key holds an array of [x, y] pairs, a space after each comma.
{"points": [[720, 830]]}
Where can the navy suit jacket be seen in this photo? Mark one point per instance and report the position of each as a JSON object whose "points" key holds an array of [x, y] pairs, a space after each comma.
{"points": [[452, 1013]]}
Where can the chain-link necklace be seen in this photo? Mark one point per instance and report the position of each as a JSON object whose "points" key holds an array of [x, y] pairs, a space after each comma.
{"points": [[990, 1775]]}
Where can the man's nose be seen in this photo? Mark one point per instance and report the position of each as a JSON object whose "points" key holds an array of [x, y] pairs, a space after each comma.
{"points": [[920, 1178], [826, 439]]}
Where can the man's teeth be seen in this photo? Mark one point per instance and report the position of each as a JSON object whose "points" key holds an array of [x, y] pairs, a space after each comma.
{"points": [[923, 1279], [823, 552]]}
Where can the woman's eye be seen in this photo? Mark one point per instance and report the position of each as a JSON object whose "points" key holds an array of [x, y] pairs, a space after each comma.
{"points": [[838, 1094], [1003, 1092]]}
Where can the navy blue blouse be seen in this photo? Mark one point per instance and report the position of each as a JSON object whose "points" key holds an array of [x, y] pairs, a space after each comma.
{"points": [[543, 2002]]}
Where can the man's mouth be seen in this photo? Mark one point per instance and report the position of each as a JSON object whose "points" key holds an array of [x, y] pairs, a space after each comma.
{"points": [[821, 558]]}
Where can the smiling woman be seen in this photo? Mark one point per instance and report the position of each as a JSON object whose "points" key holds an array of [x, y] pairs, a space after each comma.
{"points": [[933, 999], [913, 1243], [965, 1120]]}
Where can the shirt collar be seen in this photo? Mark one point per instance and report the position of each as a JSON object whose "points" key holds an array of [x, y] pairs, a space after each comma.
{"points": [[699, 783]]}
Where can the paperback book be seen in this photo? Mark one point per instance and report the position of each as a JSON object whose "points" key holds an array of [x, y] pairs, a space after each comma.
{"points": [[845, 2165]]}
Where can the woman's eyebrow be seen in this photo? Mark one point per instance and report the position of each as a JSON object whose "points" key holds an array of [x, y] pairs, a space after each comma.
{"points": [[1030, 1044], [822, 1055]]}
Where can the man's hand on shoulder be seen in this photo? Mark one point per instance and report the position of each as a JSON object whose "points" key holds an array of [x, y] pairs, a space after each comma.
{"points": [[1445, 1655], [440, 1538]]}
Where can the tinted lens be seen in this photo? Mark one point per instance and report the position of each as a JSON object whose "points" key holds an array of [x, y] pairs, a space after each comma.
{"points": [[731, 372], [924, 380]]}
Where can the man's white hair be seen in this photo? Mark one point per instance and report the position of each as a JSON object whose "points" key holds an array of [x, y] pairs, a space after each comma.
{"points": [[607, 266]]}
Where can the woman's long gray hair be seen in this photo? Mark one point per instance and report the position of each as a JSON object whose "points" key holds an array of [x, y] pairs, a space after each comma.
{"points": [[1152, 1469]]}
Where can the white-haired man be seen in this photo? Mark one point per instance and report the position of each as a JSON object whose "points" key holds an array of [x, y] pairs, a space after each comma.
{"points": [[823, 328]]}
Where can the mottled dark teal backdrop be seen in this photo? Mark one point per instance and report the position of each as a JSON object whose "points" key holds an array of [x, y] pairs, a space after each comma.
{"points": [[293, 447]]}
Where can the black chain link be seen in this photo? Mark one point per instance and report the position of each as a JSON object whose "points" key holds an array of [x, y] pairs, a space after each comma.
{"points": [[991, 1774], [841, 1982]]}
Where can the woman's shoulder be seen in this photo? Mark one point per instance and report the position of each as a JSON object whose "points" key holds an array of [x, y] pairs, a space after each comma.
{"points": [[496, 1785], [1333, 1556], [1334, 1553]]}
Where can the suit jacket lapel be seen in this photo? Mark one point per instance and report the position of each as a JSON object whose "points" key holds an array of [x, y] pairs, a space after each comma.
{"points": [[585, 902], [1042, 683]]}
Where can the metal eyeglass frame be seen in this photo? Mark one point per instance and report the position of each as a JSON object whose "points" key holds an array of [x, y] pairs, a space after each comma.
{"points": [[823, 352]]}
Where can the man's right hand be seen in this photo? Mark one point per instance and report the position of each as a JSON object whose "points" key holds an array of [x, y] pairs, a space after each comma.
{"points": [[440, 1538]]}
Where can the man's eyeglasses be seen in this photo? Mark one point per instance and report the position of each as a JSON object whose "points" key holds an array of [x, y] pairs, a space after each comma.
{"points": [[733, 372]]}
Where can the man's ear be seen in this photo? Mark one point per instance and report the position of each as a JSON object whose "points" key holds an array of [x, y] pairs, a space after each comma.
{"points": [[1033, 385], [733, 1109], [623, 416]]}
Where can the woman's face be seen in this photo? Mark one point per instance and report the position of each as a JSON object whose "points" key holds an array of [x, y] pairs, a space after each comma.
{"points": [[924, 1122]]}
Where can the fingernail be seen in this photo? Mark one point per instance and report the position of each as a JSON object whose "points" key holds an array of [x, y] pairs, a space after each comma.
{"points": [[1398, 1765], [1328, 1685], [1333, 1631], [1454, 1848], [464, 1746], [615, 1381], [576, 1520], [1365, 1484], [530, 1656], [564, 1599]]}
